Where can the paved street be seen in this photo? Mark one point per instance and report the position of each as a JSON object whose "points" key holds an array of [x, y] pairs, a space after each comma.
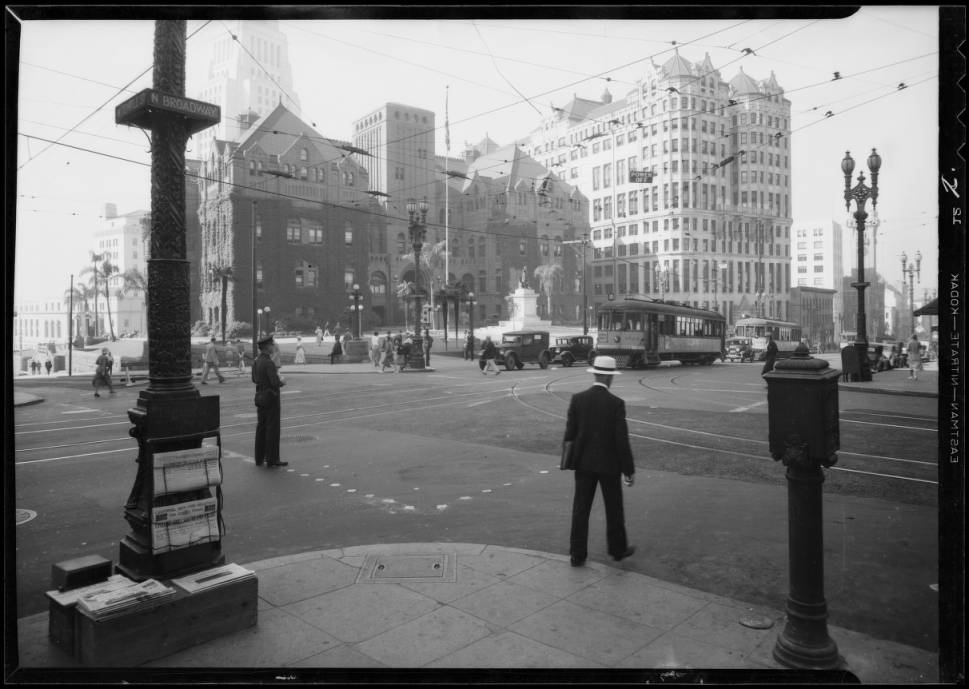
{"points": [[452, 456]]}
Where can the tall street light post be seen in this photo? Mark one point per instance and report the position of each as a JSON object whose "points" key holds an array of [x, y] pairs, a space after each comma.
{"points": [[356, 309], [471, 302], [860, 193], [417, 215], [913, 270]]}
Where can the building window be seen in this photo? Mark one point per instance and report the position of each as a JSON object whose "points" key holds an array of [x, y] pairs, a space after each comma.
{"points": [[304, 154], [294, 231]]}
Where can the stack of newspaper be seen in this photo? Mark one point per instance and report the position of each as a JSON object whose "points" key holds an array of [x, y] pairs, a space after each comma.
{"points": [[210, 578], [126, 599]]}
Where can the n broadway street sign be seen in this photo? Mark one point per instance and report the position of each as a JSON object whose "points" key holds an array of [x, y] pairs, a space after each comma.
{"points": [[140, 109]]}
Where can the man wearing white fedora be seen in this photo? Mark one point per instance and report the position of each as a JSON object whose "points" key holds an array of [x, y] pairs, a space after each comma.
{"points": [[600, 440]]}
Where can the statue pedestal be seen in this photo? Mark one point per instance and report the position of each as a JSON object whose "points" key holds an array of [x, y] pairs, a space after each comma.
{"points": [[523, 308]]}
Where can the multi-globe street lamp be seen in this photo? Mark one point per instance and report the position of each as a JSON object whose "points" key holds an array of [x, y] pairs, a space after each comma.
{"points": [[356, 309], [417, 214], [861, 193], [913, 270], [259, 314]]}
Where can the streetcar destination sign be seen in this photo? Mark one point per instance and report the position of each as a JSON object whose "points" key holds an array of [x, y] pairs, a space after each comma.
{"points": [[141, 109], [640, 177]]}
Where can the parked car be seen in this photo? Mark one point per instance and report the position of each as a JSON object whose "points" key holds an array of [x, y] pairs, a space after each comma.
{"points": [[524, 347], [738, 348], [568, 350]]}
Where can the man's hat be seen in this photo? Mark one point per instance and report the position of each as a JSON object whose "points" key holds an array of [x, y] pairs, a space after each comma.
{"points": [[268, 339], [604, 365], [212, 339]]}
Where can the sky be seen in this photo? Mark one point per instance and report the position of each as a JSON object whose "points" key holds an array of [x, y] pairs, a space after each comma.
{"points": [[499, 77]]}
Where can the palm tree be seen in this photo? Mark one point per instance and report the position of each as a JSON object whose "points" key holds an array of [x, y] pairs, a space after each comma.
{"points": [[224, 274], [134, 281], [546, 275], [432, 258], [103, 272]]}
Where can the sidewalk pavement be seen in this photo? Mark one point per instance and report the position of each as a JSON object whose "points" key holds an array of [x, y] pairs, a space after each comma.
{"points": [[486, 606]]}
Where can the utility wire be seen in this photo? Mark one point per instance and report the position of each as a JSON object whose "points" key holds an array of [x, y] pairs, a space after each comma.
{"points": [[99, 108], [498, 69]]}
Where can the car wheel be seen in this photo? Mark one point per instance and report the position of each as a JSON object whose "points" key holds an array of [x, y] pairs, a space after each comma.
{"points": [[543, 360], [510, 362], [567, 360]]}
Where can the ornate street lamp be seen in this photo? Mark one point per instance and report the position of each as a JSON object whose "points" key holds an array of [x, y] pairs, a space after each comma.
{"points": [[417, 213], [356, 309], [259, 315], [913, 270], [861, 193]]}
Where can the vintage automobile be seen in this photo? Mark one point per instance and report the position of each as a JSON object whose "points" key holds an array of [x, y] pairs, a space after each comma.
{"points": [[738, 348], [523, 347], [568, 350]]}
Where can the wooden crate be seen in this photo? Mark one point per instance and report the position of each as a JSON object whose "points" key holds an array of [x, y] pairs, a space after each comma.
{"points": [[177, 622]]}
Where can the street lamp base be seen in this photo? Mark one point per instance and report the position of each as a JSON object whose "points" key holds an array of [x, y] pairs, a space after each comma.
{"points": [[814, 651]]}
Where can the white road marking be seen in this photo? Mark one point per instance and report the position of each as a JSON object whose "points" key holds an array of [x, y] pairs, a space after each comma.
{"points": [[486, 490], [750, 406], [442, 507], [465, 497], [78, 411]]}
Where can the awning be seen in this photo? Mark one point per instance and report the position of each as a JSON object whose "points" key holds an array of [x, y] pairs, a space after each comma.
{"points": [[930, 309]]}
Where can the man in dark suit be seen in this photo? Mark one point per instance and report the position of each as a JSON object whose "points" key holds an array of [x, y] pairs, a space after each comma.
{"points": [[597, 426], [268, 383]]}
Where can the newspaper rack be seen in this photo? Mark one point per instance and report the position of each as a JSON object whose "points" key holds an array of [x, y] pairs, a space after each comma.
{"points": [[175, 525]]}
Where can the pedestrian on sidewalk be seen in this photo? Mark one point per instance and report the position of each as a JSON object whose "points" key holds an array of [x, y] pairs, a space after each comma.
{"points": [[401, 351], [596, 425], [914, 353], [319, 336], [240, 356], [468, 346], [376, 348], [268, 384], [211, 363], [101, 374], [386, 352], [336, 352], [300, 354], [771, 356], [48, 365], [428, 341], [489, 353]]}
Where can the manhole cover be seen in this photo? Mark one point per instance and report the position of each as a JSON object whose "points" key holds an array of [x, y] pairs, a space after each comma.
{"points": [[24, 516], [399, 569], [292, 439], [756, 621]]}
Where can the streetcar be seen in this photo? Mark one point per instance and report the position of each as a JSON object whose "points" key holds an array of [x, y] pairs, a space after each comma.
{"points": [[787, 336], [640, 331]]}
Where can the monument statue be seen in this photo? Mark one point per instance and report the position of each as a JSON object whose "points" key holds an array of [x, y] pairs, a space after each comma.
{"points": [[523, 281]]}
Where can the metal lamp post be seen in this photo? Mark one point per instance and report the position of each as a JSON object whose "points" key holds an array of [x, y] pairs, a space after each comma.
{"points": [[356, 308], [417, 214], [913, 270], [861, 193], [471, 302]]}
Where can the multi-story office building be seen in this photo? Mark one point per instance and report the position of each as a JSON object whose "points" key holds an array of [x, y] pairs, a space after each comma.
{"points": [[817, 261], [248, 71], [689, 178], [294, 201], [813, 309], [122, 241]]}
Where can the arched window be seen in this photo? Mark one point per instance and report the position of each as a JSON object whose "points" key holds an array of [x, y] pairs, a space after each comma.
{"points": [[401, 243], [470, 247], [304, 154]]}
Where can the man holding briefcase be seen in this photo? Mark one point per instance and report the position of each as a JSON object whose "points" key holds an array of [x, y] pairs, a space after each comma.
{"points": [[600, 453]]}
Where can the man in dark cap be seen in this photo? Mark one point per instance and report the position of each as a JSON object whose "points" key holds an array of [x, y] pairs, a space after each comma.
{"points": [[268, 383], [596, 425]]}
